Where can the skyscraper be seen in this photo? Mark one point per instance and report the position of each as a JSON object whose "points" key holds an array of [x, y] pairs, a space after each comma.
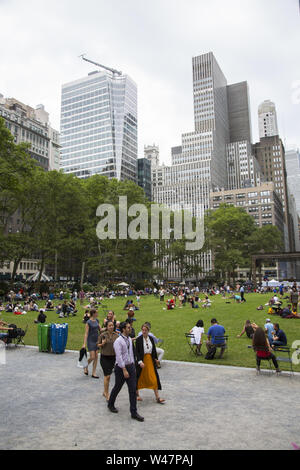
{"points": [[200, 164], [292, 161], [267, 119], [99, 126]]}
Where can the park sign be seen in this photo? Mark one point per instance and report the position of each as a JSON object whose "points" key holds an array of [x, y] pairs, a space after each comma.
{"points": [[138, 228]]}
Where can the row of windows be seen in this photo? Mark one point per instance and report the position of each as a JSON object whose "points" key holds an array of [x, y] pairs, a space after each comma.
{"points": [[85, 96], [80, 120], [81, 111]]}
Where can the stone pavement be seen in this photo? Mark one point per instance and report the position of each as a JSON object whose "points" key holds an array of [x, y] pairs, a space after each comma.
{"points": [[48, 403]]}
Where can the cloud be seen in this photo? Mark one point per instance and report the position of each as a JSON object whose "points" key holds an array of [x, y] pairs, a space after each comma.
{"points": [[154, 43]]}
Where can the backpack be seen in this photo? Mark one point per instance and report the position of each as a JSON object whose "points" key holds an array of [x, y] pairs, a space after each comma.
{"points": [[12, 333], [211, 353]]}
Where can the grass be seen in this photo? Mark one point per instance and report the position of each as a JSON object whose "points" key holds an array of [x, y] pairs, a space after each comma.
{"points": [[172, 324]]}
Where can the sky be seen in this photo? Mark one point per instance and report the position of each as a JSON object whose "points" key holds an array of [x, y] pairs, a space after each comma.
{"points": [[154, 42]]}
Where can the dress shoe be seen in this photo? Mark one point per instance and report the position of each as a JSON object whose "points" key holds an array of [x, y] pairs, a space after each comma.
{"points": [[137, 417], [112, 409]]}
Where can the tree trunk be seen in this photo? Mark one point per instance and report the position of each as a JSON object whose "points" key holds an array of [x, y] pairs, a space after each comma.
{"points": [[55, 266], [15, 268], [82, 274]]}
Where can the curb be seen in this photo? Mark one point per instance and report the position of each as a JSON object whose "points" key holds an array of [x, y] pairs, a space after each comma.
{"points": [[197, 364]]}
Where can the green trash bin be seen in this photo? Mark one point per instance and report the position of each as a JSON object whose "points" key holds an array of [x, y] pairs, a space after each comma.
{"points": [[44, 337]]}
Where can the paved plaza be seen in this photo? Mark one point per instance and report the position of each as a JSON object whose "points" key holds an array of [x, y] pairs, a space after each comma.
{"points": [[48, 403]]}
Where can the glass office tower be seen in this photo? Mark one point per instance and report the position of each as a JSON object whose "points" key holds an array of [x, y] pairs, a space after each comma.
{"points": [[99, 126]]}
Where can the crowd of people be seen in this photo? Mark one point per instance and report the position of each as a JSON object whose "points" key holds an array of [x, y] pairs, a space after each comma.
{"points": [[136, 357], [133, 358]]}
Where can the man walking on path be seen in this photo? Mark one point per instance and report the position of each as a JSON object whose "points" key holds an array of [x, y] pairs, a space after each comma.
{"points": [[124, 371]]}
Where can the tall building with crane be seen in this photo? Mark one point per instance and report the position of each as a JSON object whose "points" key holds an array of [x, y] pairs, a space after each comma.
{"points": [[99, 125]]}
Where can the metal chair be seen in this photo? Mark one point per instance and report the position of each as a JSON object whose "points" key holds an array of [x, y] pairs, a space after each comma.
{"points": [[268, 358], [287, 359], [193, 346]]}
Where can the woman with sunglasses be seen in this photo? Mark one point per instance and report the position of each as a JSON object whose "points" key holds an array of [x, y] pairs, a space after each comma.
{"points": [[147, 361]]}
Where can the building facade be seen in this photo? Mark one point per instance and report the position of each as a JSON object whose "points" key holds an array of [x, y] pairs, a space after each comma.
{"points": [[270, 154], [32, 126], [144, 175], [261, 202], [267, 119], [292, 162], [99, 126]]}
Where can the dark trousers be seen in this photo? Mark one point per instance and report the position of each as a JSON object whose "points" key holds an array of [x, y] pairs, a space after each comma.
{"points": [[272, 356], [131, 384]]}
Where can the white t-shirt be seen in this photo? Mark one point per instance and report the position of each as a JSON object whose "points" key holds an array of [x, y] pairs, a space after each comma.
{"points": [[197, 332]]}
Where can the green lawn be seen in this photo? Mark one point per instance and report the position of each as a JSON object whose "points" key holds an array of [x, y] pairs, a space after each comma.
{"points": [[172, 324]]}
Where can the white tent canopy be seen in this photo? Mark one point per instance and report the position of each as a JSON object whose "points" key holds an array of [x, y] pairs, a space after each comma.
{"points": [[123, 284], [35, 276]]}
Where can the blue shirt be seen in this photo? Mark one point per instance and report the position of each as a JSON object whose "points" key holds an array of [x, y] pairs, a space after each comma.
{"points": [[269, 327], [216, 330], [281, 337]]}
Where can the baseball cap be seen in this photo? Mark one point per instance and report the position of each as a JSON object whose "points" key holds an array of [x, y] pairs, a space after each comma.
{"points": [[268, 319]]}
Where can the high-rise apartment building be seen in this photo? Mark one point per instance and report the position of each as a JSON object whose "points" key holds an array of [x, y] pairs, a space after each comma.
{"points": [[32, 126], [99, 126], [267, 119]]}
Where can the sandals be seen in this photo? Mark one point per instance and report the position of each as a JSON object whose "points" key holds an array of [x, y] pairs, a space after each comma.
{"points": [[86, 372], [95, 377], [161, 401]]}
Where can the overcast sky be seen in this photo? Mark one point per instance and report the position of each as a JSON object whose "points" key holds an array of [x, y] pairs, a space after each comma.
{"points": [[154, 41]]}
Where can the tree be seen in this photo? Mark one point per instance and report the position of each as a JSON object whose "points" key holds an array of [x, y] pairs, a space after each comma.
{"points": [[227, 232]]}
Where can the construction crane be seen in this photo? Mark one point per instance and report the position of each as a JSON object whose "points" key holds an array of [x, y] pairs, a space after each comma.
{"points": [[114, 71]]}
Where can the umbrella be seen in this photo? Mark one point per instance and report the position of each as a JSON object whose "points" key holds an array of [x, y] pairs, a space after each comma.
{"points": [[123, 284]]}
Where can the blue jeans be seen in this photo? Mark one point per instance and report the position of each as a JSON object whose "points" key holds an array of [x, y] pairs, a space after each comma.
{"points": [[278, 343]]}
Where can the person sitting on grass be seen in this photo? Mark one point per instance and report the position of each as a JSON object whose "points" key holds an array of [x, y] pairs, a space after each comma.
{"points": [[197, 331], [262, 348], [41, 317], [193, 303], [86, 316], [49, 305], [269, 330], [249, 329], [170, 304], [72, 307]]}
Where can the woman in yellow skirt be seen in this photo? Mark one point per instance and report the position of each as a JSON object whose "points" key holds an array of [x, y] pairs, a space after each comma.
{"points": [[147, 376]]}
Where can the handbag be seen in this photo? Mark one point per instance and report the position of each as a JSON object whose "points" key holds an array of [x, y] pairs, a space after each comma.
{"points": [[82, 362]]}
